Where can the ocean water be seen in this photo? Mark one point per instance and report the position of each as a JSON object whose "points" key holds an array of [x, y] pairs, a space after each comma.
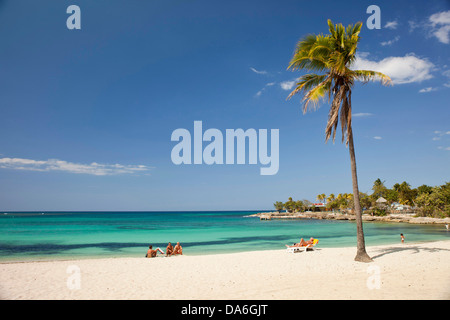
{"points": [[72, 235]]}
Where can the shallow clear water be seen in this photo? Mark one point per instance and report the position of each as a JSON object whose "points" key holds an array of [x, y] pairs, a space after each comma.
{"points": [[54, 235]]}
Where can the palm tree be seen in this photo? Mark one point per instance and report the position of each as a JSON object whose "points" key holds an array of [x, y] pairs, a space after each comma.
{"points": [[333, 54], [331, 198], [289, 205], [321, 197], [278, 206]]}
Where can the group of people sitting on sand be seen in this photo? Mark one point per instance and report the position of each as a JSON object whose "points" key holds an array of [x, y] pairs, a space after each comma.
{"points": [[170, 250]]}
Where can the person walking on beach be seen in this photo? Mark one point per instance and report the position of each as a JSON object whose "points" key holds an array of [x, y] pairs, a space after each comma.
{"points": [[402, 237], [152, 253]]}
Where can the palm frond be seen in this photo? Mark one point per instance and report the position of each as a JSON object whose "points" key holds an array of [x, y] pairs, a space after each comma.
{"points": [[313, 96], [311, 53], [333, 115], [315, 88], [369, 75], [308, 81], [333, 54], [331, 28], [308, 63]]}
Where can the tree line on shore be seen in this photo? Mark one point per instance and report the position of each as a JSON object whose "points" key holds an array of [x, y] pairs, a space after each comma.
{"points": [[424, 200]]}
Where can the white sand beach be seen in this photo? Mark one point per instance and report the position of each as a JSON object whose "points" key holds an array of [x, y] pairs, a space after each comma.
{"points": [[408, 271]]}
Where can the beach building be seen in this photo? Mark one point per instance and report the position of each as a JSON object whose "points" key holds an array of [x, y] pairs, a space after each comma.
{"points": [[319, 206]]}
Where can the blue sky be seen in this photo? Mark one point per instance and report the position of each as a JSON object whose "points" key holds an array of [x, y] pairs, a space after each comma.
{"points": [[86, 116]]}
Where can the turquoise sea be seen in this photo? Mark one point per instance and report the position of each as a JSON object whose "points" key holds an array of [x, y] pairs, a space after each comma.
{"points": [[67, 235]]}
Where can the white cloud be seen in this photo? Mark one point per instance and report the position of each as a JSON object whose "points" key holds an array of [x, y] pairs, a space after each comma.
{"points": [[446, 73], [258, 71], [429, 89], [439, 134], [440, 18], [407, 69], [94, 168], [287, 85], [390, 42], [362, 114], [391, 25], [443, 34], [259, 93], [440, 23], [377, 138], [413, 25]]}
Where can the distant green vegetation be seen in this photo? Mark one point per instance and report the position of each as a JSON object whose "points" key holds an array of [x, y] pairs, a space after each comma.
{"points": [[424, 200]]}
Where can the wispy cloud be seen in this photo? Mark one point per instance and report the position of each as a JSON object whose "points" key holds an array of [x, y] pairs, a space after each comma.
{"points": [[390, 42], [437, 25], [439, 134], [362, 114], [413, 25], [391, 25], [258, 71], [443, 137], [287, 85], [425, 90], [259, 93], [93, 168], [446, 73], [440, 24], [407, 69], [377, 138]]}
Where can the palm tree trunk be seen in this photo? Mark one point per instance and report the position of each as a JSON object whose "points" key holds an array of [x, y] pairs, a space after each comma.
{"points": [[361, 254]]}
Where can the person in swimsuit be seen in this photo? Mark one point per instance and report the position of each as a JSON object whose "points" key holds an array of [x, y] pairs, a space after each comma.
{"points": [[169, 249], [152, 253], [303, 243], [178, 249]]}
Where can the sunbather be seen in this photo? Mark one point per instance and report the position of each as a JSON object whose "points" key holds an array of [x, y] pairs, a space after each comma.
{"points": [[303, 243], [152, 253], [178, 249], [169, 249]]}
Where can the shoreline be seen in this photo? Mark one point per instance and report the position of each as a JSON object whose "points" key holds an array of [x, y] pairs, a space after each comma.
{"points": [[160, 256], [396, 217], [400, 271]]}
